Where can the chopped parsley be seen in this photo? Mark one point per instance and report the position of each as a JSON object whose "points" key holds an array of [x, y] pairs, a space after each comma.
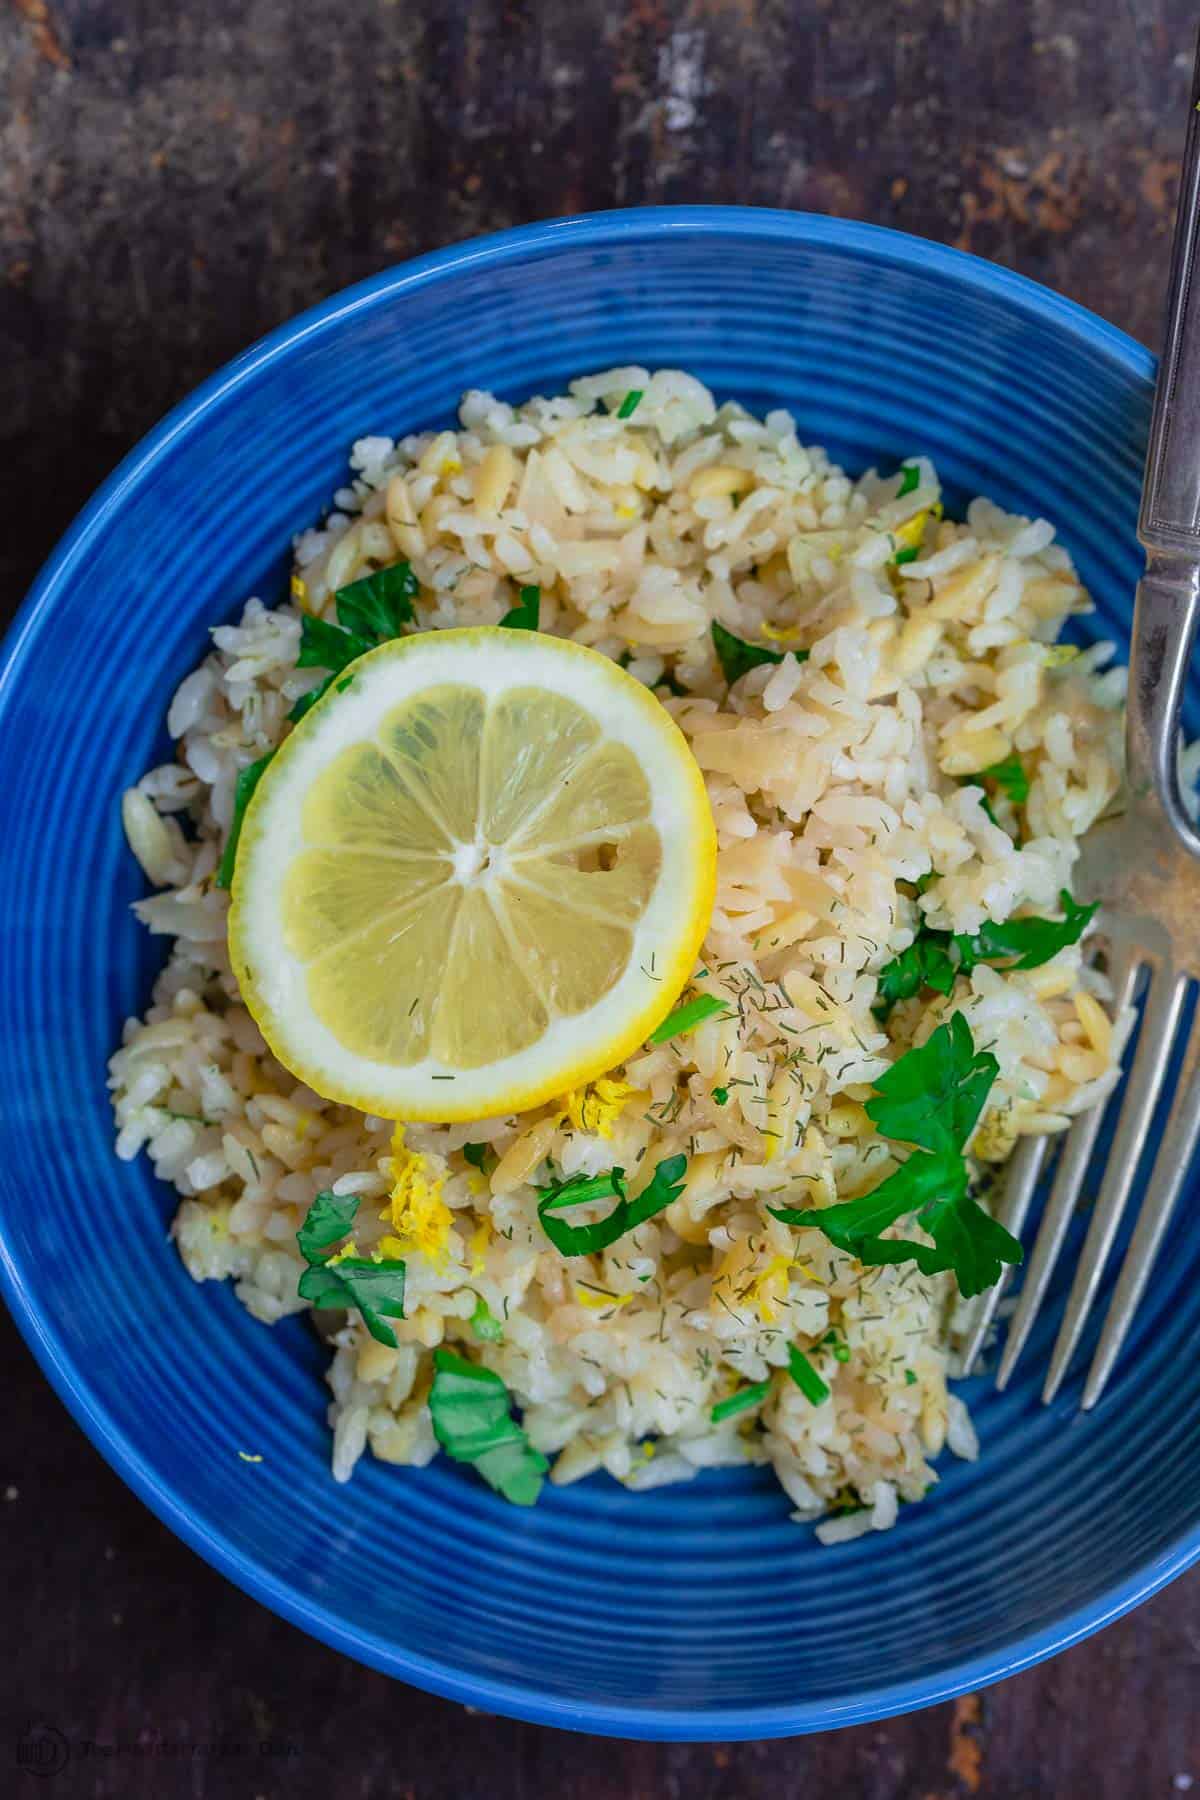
{"points": [[909, 553], [926, 963], [740, 1402], [246, 783], [472, 1421], [737, 657], [687, 1017], [1009, 775], [329, 1219], [665, 1185], [931, 1099], [370, 612], [911, 480], [630, 403], [1025, 943], [375, 1285], [480, 1156], [720, 1095], [935, 958], [526, 614], [806, 1377], [484, 1323], [378, 605]]}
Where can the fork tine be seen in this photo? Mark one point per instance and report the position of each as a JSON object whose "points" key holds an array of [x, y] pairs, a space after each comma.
{"points": [[1023, 1175], [1072, 1167], [1170, 1167], [1159, 1025]]}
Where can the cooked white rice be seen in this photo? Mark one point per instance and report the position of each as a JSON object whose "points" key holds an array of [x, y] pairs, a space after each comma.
{"points": [[832, 782]]}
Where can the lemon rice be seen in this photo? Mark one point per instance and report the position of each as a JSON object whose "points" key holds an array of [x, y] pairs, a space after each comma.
{"points": [[893, 659]]}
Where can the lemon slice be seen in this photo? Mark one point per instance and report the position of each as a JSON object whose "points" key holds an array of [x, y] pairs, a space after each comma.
{"points": [[474, 876]]}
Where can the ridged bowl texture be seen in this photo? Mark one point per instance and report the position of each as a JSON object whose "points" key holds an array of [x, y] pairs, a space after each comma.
{"points": [[697, 1611]]}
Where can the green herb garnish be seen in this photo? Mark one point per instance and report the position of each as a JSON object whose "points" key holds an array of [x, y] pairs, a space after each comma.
{"points": [[246, 783], [477, 1155], [930, 1098], [375, 1285], [329, 1219], [1009, 775], [472, 1421], [720, 1095], [911, 480], [926, 963], [806, 1377], [526, 615], [1025, 943], [740, 1402], [378, 605], [908, 553], [935, 958], [484, 1323], [665, 1185], [736, 656], [687, 1017], [370, 612], [630, 403]]}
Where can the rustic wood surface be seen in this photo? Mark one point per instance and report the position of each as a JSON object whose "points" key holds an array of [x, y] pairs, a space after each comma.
{"points": [[175, 180]]}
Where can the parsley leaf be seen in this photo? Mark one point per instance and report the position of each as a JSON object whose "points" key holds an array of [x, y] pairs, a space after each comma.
{"points": [[375, 1288], [1024, 943], [630, 403], [470, 1409], [327, 646], [926, 963], [480, 1156], [687, 1017], [484, 1323], [377, 606], [370, 612], [328, 1221], [1010, 776], [740, 1402], [525, 616], [908, 553], [934, 958], [720, 1095], [931, 1097], [246, 783], [805, 1376], [375, 1285], [665, 1185], [911, 481], [736, 656]]}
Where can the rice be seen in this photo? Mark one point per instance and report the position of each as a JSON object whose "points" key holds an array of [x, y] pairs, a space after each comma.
{"points": [[833, 780]]}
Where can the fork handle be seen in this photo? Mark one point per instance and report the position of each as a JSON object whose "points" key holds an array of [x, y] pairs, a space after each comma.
{"points": [[1168, 598]]}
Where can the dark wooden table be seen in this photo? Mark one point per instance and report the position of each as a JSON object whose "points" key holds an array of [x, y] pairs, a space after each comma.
{"points": [[176, 179]]}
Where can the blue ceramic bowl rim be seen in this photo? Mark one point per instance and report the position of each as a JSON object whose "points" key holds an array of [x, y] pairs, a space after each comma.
{"points": [[519, 1699]]}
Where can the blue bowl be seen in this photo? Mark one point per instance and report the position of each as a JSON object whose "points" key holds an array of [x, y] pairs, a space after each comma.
{"points": [[693, 1612]]}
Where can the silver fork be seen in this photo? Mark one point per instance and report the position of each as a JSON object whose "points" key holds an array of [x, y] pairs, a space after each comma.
{"points": [[1144, 868]]}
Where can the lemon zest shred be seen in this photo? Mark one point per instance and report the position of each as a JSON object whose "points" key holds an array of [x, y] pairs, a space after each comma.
{"points": [[481, 1237], [789, 634], [597, 1107], [349, 1248], [420, 1216], [298, 588], [600, 1302]]}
